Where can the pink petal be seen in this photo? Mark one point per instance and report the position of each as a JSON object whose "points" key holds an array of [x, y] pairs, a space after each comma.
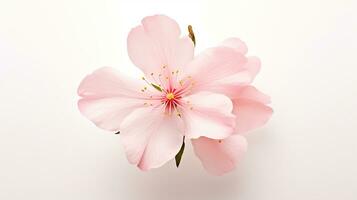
{"points": [[107, 97], [223, 69], [213, 65], [107, 113], [251, 93], [230, 85], [108, 82], [182, 54], [208, 114], [236, 44], [156, 43], [216, 63], [220, 156], [253, 66], [144, 52], [150, 137], [250, 114], [161, 28]]}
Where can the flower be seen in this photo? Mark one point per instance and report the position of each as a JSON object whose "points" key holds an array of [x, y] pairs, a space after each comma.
{"points": [[207, 99]]}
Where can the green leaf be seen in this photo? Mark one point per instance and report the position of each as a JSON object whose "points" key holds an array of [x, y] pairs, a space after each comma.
{"points": [[180, 153]]}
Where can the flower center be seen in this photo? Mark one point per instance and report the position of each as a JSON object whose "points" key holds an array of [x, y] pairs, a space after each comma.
{"points": [[172, 88], [170, 96], [171, 99]]}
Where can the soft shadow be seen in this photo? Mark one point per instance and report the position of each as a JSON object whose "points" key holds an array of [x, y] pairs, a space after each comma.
{"points": [[191, 180]]}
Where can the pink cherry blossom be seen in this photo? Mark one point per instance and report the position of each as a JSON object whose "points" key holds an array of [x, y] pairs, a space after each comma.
{"points": [[205, 98]]}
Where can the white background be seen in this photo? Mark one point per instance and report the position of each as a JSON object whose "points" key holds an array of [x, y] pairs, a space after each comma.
{"points": [[306, 151]]}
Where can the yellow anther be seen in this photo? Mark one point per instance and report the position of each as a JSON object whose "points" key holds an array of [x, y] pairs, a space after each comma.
{"points": [[152, 74], [170, 96], [143, 78]]}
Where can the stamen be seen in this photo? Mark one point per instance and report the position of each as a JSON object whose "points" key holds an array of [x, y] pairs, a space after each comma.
{"points": [[153, 77], [176, 75], [181, 82], [164, 72], [147, 82], [160, 79], [177, 112], [172, 87], [158, 87]]}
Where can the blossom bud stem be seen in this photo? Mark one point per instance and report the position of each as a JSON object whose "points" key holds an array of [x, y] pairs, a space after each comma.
{"points": [[191, 34]]}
